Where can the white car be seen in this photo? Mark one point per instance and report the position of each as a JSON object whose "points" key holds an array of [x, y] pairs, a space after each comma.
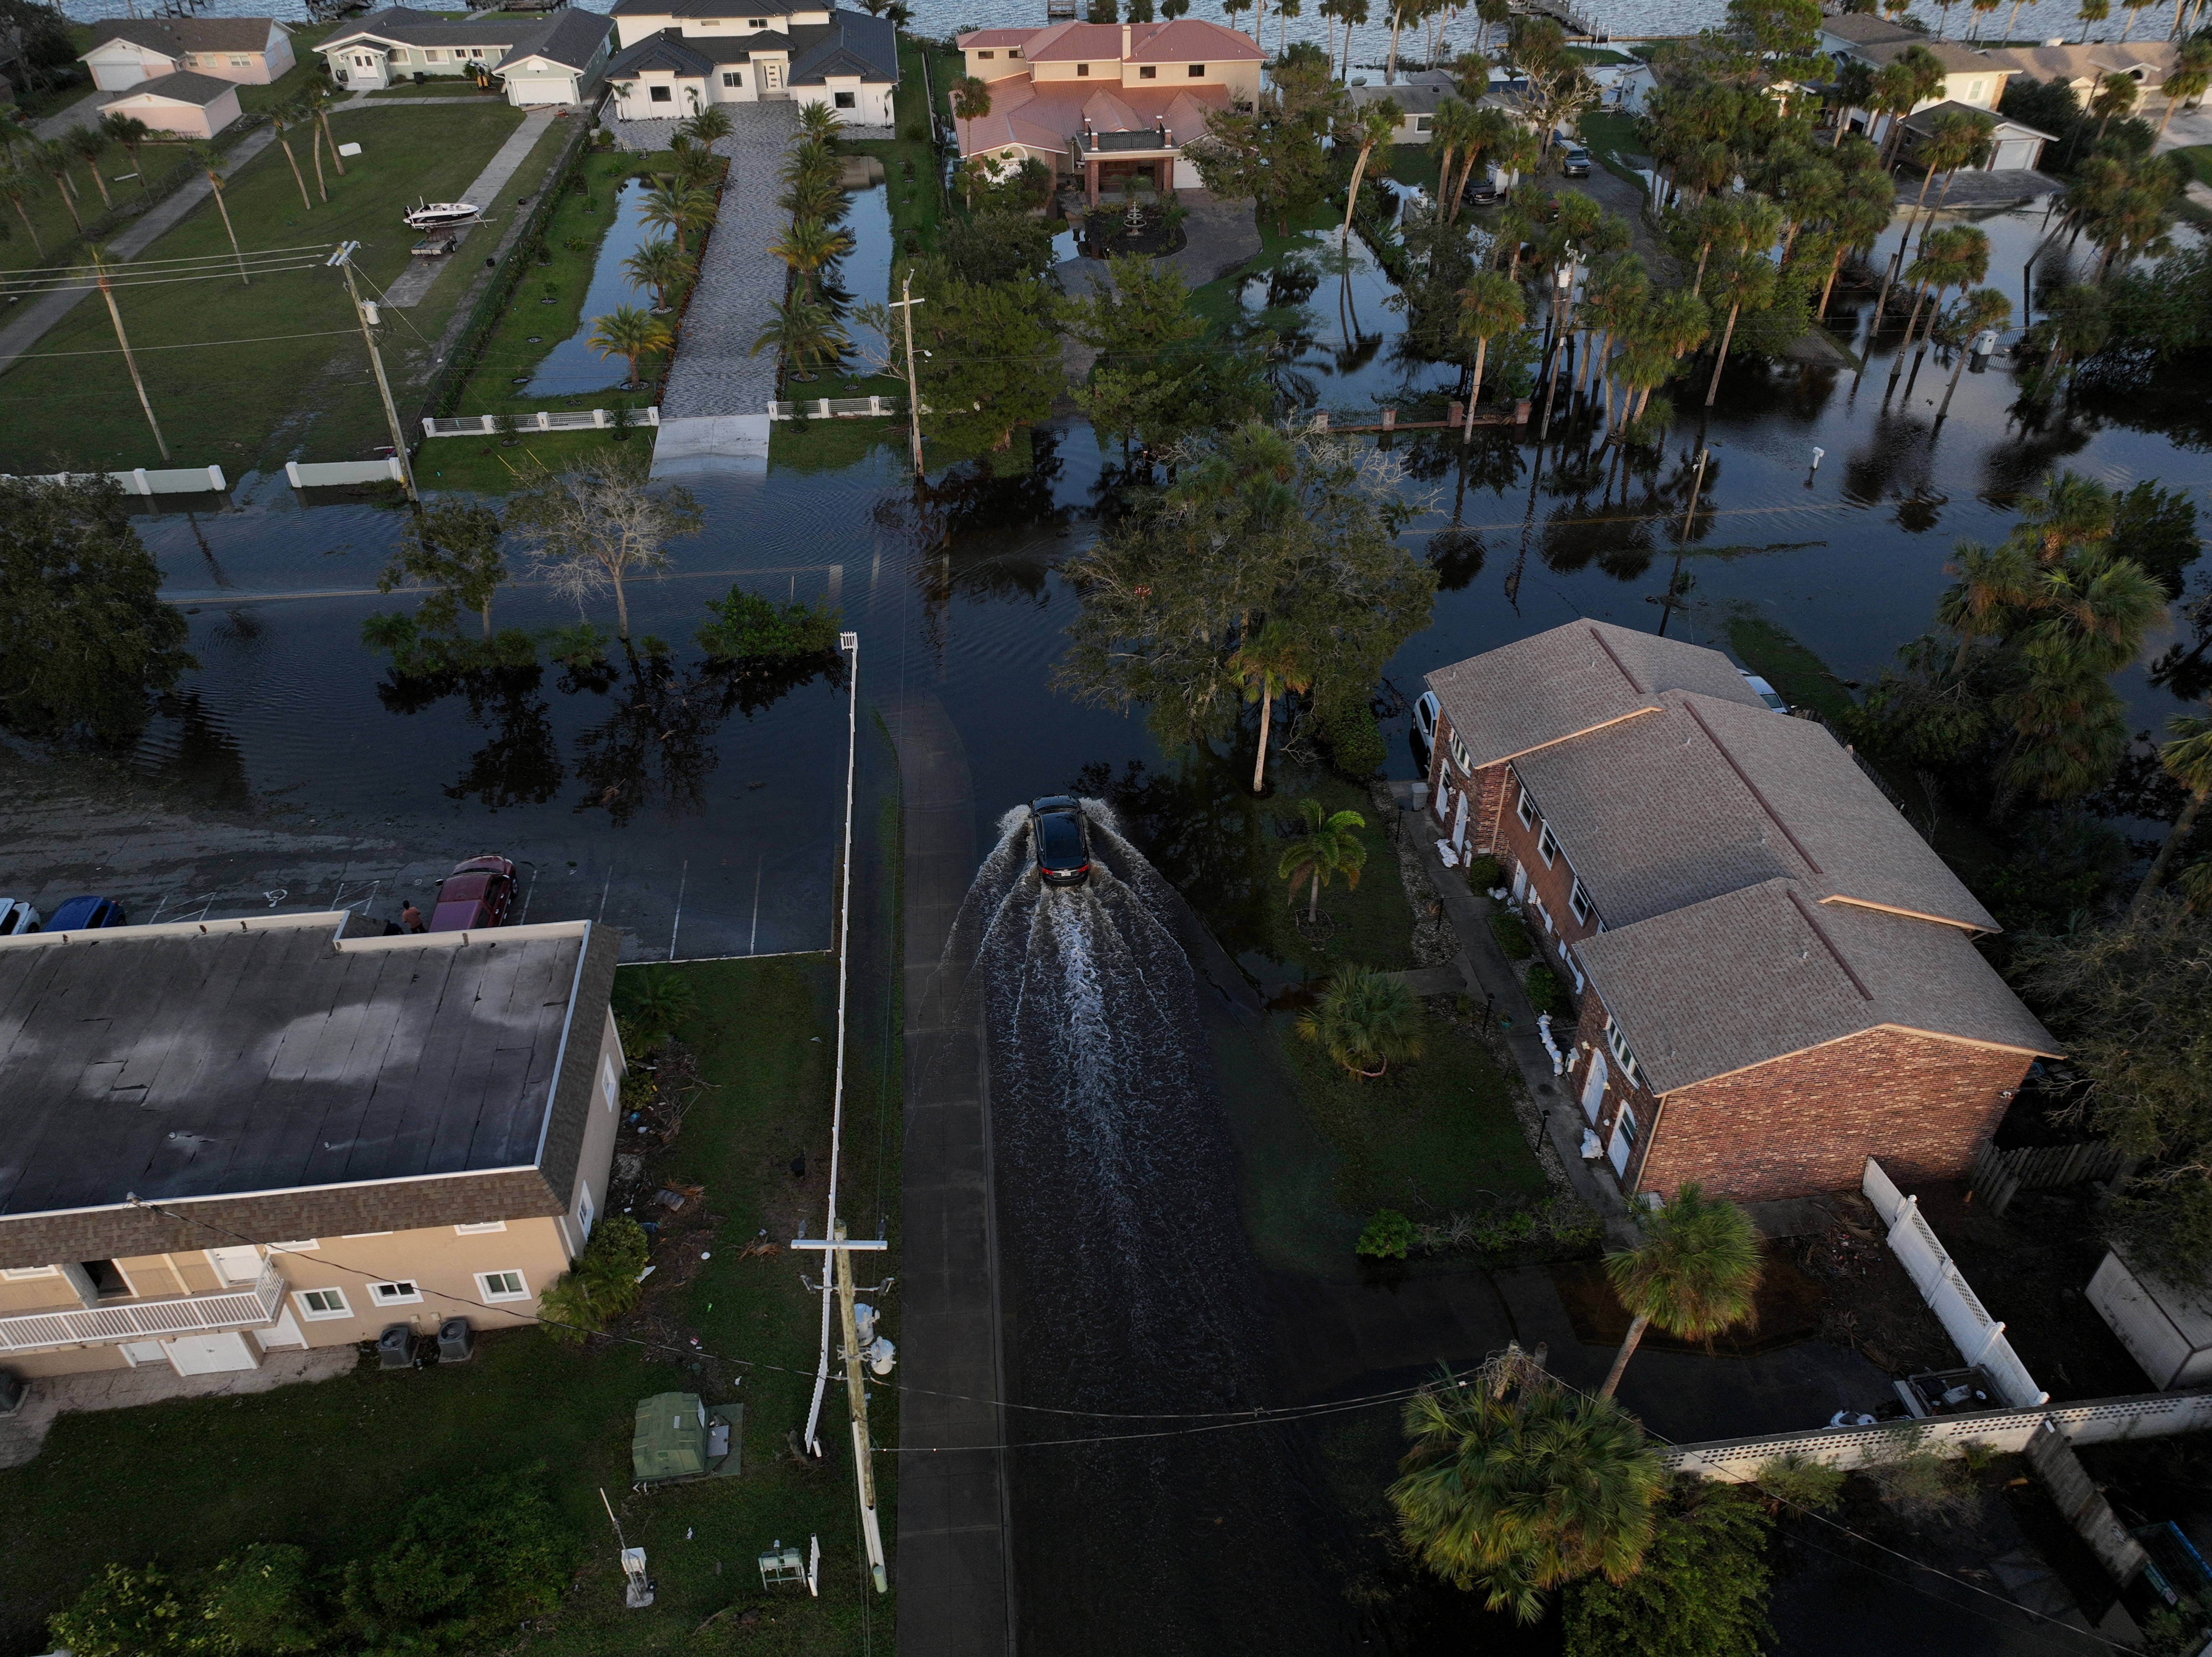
{"points": [[17, 916], [1765, 692]]}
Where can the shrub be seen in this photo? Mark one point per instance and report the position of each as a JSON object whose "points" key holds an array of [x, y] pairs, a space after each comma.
{"points": [[743, 626], [1548, 993], [1919, 1484], [127, 1613], [600, 1285], [1387, 1236], [1484, 873], [1355, 741], [1364, 1020], [1799, 1482], [1699, 1592], [478, 1558], [650, 1002], [1512, 934], [582, 645], [264, 1601]]}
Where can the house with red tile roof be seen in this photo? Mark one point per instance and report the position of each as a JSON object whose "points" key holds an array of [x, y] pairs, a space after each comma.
{"points": [[1774, 975], [1103, 102]]}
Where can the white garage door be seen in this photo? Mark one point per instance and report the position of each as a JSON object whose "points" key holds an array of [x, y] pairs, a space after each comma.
{"points": [[209, 1355]]}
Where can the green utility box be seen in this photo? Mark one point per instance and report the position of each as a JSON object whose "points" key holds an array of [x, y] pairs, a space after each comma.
{"points": [[678, 1437]]}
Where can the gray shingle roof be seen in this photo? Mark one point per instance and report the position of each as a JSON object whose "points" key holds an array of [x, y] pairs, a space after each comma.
{"points": [[175, 36], [240, 1061], [666, 50], [1747, 977], [185, 86], [1574, 678], [572, 40], [851, 43], [406, 26]]}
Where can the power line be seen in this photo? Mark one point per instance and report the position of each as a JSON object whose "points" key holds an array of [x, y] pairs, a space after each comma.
{"points": [[187, 345]]}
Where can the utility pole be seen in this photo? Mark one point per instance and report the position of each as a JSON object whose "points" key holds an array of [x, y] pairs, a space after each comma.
{"points": [[1673, 600], [115, 316], [905, 304], [366, 313], [856, 1391]]}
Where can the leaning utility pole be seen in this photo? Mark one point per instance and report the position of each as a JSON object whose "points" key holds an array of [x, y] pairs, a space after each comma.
{"points": [[366, 313], [115, 316], [905, 304], [856, 1391]]}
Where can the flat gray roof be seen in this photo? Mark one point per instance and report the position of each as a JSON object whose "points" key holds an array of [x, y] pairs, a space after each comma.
{"points": [[174, 1062]]}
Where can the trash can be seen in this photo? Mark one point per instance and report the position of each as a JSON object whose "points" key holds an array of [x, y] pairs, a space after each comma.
{"points": [[454, 1344], [395, 1347]]}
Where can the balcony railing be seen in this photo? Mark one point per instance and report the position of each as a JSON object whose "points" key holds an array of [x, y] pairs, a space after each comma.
{"points": [[1104, 143], [136, 1320]]}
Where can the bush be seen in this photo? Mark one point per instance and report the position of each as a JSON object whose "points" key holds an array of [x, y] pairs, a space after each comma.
{"points": [[743, 626], [127, 1613], [1387, 1236], [472, 1560], [1484, 873], [1355, 741], [1798, 1483], [582, 645], [1546, 993], [1699, 1592], [264, 1602], [1512, 934], [602, 1284], [650, 1002]]}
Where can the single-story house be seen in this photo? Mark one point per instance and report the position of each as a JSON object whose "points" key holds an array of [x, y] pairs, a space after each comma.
{"points": [[541, 59], [221, 1139], [188, 104], [251, 50], [2014, 145], [1416, 104], [673, 63], [1774, 975], [2083, 67]]}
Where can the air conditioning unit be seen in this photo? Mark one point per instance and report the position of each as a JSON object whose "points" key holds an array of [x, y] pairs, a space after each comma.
{"points": [[455, 1344], [395, 1347]]}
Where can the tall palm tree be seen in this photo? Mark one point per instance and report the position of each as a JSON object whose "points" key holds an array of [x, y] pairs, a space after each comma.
{"points": [[1856, 222], [1955, 257], [2188, 761], [53, 160], [1745, 280], [676, 210], [806, 336], [2097, 607], [1376, 124], [813, 198], [1363, 1020], [2072, 511], [1266, 667], [2068, 728], [131, 132], [316, 98], [2189, 78], [714, 123], [88, 144], [18, 186], [1329, 848], [1694, 1274], [2079, 324], [659, 266], [626, 331], [1515, 1485], [1451, 131], [1491, 304], [1994, 587], [282, 119], [806, 246], [211, 161], [1985, 307]]}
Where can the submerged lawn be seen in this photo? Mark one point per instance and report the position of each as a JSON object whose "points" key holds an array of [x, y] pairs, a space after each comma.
{"points": [[332, 1467]]}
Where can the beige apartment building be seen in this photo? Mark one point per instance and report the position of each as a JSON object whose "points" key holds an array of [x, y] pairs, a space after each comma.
{"points": [[225, 1138]]}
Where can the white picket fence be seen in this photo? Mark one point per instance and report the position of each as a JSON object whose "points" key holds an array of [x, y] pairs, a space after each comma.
{"points": [[180, 480], [325, 474], [546, 420], [2101, 1421], [1979, 1337], [835, 408]]}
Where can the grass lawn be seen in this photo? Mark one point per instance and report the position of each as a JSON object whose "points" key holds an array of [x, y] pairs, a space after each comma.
{"points": [[247, 376], [1775, 655], [1613, 139], [1217, 301], [2197, 158], [288, 85], [1416, 164], [829, 445], [911, 172], [331, 1466], [486, 466], [441, 85]]}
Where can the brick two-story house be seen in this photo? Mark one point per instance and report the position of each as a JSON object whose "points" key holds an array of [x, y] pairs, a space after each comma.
{"points": [[221, 1139], [1776, 977]]}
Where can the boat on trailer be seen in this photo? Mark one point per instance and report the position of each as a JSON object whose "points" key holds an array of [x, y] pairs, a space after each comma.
{"points": [[441, 216]]}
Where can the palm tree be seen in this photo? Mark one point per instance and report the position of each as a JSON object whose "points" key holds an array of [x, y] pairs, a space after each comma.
{"points": [[1744, 279], [676, 210], [1516, 1485], [813, 198], [2079, 324], [316, 99], [806, 336], [1491, 304], [2068, 724], [1694, 1274], [2115, 95], [659, 266], [210, 160], [1363, 1020], [2097, 608], [282, 119], [627, 331], [2188, 761], [53, 160], [711, 124], [18, 186], [1452, 131], [817, 123], [1266, 667], [1985, 307], [1994, 586], [806, 246], [2073, 511], [88, 144], [2092, 11], [2189, 76], [1329, 848], [970, 97], [1376, 124], [1856, 222], [697, 169], [131, 132], [1955, 257]]}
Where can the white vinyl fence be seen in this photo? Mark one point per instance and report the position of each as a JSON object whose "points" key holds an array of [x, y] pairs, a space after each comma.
{"points": [[1979, 1337], [178, 480], [836, 408], [324, 474], [546, 420]]}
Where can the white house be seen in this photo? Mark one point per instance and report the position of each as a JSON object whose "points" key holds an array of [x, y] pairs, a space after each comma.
{"points": [[251, 50], [540, 59], [189, 103], [1417, 104], [741, 51], [1971, 78]]}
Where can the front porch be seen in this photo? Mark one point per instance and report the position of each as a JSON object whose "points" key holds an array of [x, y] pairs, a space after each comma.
{"points": [[1106, 161]]}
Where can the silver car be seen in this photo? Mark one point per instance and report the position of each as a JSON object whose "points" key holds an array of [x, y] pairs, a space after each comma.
{"points": [[17, 916]]}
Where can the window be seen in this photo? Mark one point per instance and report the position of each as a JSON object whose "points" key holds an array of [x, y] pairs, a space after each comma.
{"points": [[755, 23], [109, 1282], [297, 1245], [350, 1235], [663, 95], [1459, 756], [1547, 846], [17, 1273], [584, 1213], [315, 1303], [1624, 1134], [431, 55], [476, 51], [241, 63], [611, 1081], [1082, 68], [733, 77], [710, 22], [235, 1265], [985, 57], [1148, 72], [1012, 52], [1198, 71], [847, 100], [481, 1229], [1616, 1040], [1579, 901], [406, 1292], [1421, 123], [502, 1286], [1526, 810]]}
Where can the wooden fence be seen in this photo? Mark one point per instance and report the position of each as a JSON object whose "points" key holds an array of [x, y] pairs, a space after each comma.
{"points": [[1998, 1176]]}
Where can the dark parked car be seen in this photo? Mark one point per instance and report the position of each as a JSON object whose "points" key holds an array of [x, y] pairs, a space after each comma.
{"points": [[1576, 162], [1060, 835], [1481, 190], [83, 914], [477, 893]]}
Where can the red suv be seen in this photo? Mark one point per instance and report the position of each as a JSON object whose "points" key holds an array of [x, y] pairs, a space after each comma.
{"points": [[477, 894]]}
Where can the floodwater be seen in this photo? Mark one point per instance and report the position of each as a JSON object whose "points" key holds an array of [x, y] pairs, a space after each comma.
{"points": [[573, 366]]}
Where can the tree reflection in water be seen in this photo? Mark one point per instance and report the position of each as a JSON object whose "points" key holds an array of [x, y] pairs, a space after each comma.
{"points": [[521, 764]]}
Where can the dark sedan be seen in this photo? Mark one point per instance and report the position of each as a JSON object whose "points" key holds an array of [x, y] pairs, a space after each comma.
{"points": [[477, 893], [1061, 836]]}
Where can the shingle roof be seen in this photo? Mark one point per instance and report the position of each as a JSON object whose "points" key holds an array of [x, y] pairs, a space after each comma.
{"points": [[994, 37], [1764, 971], [716, 8], [572, 40], [1865, 31], [668, 51], [177, 35], [1191, 40], [2080, 63], [1410, 100], [1922, 122], [184, 87], [851, 43], [1548, 687], [1956, 59], [420, 28]]}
